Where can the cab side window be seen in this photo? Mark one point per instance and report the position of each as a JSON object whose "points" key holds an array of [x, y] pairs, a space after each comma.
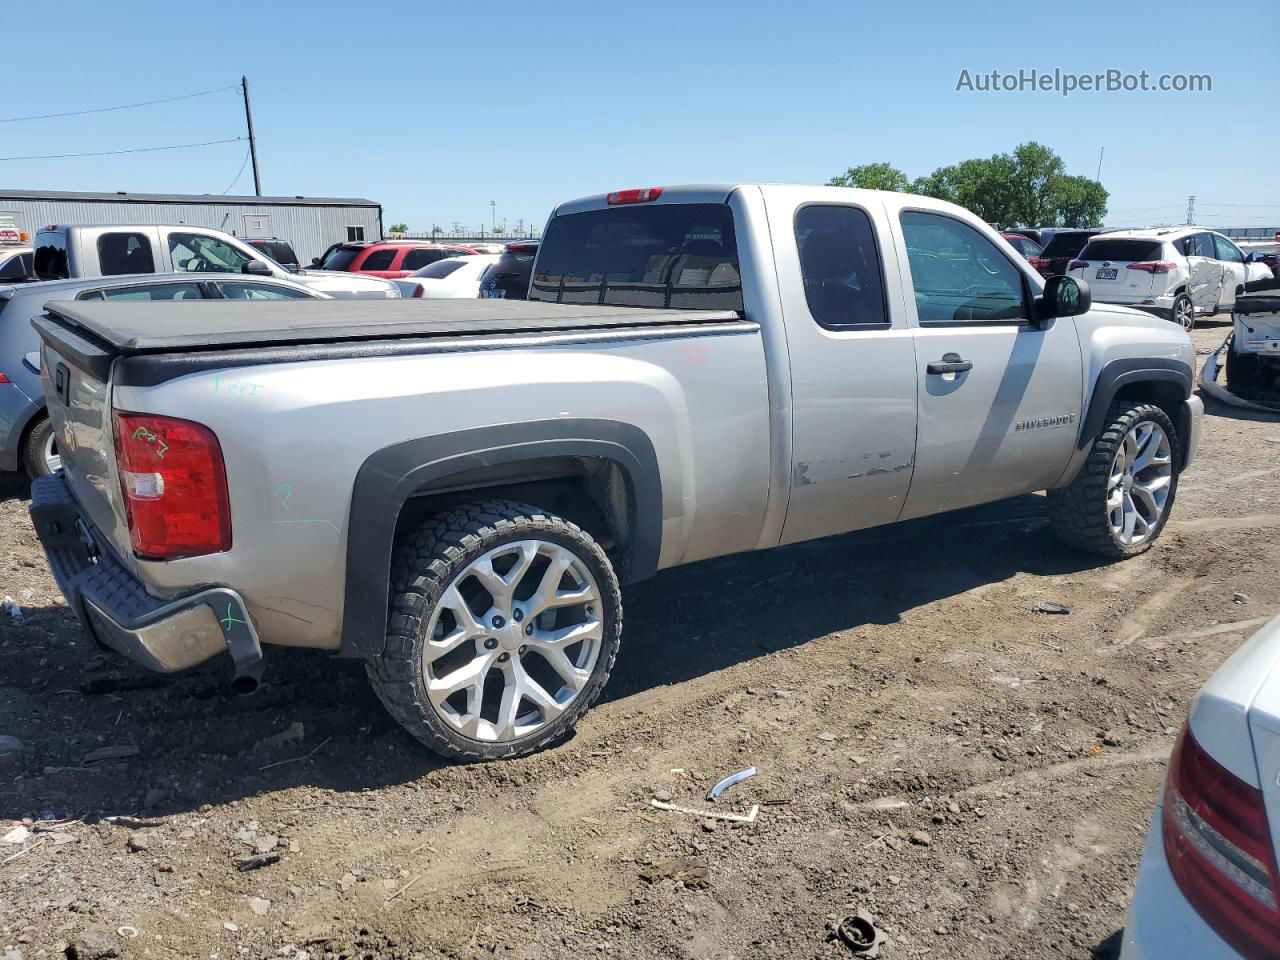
{"points": [[958, 275], [840, 266], [120, 253], [198, 253], [1226, 250], [421, 256], [379, 259]]}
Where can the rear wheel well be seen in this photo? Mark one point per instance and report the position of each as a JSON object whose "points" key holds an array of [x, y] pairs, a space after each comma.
{"points": [[594, 493]]}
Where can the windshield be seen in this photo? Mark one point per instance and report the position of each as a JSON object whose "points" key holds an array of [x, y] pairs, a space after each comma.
{"points": [[340, 259], [667, 255]]}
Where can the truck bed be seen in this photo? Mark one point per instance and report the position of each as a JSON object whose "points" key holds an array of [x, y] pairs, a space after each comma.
{"points": [[141, 327]]}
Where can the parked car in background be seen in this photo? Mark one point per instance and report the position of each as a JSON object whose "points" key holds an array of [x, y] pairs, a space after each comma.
{"points": [[1208, 885], [450, 279], [1061, 249], [1024, 245], [391, 259], [103, 250], [26, 442], [1174, 272], [508, 278], [677, 387], [1264, 252], [16, 264], [486, 247], [1030, 233], [281, 251]]}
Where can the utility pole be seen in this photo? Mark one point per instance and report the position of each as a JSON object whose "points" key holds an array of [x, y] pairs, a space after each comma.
{"points": [[1100, 153], [253, 144], [1191, 211], [493, 214]]}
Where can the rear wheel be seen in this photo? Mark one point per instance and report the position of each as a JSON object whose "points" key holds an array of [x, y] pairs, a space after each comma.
{"points": [[40, 456], [1183, 312], [1120, 501], [505, 624]]}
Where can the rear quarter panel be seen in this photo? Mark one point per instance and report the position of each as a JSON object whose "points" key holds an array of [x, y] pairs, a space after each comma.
{"points": [[294, 435]]}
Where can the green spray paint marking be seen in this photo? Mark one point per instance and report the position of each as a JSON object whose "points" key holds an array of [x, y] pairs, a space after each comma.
{"points": [[231, 618], [288, 492], [151, 438]]}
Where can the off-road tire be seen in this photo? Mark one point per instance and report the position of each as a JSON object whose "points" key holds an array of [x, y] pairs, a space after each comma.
{"points": [[424, 565], [33, 458], [1181, 302], [1078, 513]]}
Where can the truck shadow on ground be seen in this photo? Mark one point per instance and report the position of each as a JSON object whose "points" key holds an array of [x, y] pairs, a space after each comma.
{"points": [[197, 744]]}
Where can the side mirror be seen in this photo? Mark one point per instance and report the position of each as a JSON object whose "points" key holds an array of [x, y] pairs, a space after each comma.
{"points": [[315, 261], [1063, 297], [256, 268]]}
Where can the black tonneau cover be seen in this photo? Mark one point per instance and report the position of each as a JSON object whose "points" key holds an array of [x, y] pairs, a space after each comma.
{"points": [[139, 327]]}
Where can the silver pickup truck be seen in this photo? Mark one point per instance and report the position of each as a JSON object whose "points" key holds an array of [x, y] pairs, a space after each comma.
{"points": [[454, 491]]}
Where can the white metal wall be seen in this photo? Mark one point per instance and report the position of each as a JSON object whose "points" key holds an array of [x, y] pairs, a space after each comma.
{"points": [[310, 229]]}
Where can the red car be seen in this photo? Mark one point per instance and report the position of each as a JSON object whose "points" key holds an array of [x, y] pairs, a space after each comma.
{"points": [[1025, 246], [391, 259]]}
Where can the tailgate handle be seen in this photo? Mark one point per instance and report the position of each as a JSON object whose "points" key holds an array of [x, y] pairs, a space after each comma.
{"points": [[950, 363], [62, 383]]}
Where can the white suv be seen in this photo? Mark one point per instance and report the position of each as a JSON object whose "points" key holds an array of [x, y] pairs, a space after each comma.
{"points": [[1174, 272]]}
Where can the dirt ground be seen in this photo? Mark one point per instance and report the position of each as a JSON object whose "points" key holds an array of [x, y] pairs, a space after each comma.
{"points": [[976, 775]]}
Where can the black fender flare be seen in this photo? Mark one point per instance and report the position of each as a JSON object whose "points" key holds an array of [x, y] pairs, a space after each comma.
{"points": [[389, 477], [1121, 373]]}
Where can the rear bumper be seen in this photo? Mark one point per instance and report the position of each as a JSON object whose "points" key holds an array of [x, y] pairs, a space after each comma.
{"points": [[1162, 924], [115, 608], [1161, 306]]}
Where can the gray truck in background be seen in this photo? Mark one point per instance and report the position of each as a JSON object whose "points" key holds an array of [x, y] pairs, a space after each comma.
{"points": [[456, 491], [70, 251]]}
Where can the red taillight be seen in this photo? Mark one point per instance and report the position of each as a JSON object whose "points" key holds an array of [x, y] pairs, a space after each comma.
{"points": [[634, 196], [1077, 264], [1153, 266], [417, 292], [174, 485], [3, 378], [1219, 849], [521, 248], [1036, 262]]}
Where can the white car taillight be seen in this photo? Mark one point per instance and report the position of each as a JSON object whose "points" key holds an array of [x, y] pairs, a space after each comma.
{"points": [[1218, 844]]}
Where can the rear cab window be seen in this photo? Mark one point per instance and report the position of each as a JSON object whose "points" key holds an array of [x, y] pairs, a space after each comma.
{"points": [[51, 256], [676, 255]]}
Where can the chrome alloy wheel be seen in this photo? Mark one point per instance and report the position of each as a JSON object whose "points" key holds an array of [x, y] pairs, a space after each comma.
{"points": [[513, 640], [49, 451], [1139, 483], [1184, 313]]}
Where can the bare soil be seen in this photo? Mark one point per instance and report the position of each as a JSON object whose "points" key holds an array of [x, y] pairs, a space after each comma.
{"points": [[976, 775]]}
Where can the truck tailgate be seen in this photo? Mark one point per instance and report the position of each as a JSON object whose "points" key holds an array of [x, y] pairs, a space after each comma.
{"points": [[76, 376]]}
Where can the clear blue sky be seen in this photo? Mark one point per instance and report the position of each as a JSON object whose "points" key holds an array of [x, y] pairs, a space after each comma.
{"points": [[436, 109]]}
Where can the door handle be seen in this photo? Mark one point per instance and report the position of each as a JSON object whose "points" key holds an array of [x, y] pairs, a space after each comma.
{"points": [[950, 363]]}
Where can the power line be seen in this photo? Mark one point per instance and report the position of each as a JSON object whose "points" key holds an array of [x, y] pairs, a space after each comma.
{"points": [[123, 106], [112, 153], [243, 164]]}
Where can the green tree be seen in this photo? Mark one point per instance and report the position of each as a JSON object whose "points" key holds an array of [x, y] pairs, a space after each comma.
{"points": [[872, 176], [437, 231], [1032, 168], [1078, 201], [398, 228]]}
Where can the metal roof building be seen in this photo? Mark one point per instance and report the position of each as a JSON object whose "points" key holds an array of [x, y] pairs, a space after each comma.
{"points": [[310, 224]]}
